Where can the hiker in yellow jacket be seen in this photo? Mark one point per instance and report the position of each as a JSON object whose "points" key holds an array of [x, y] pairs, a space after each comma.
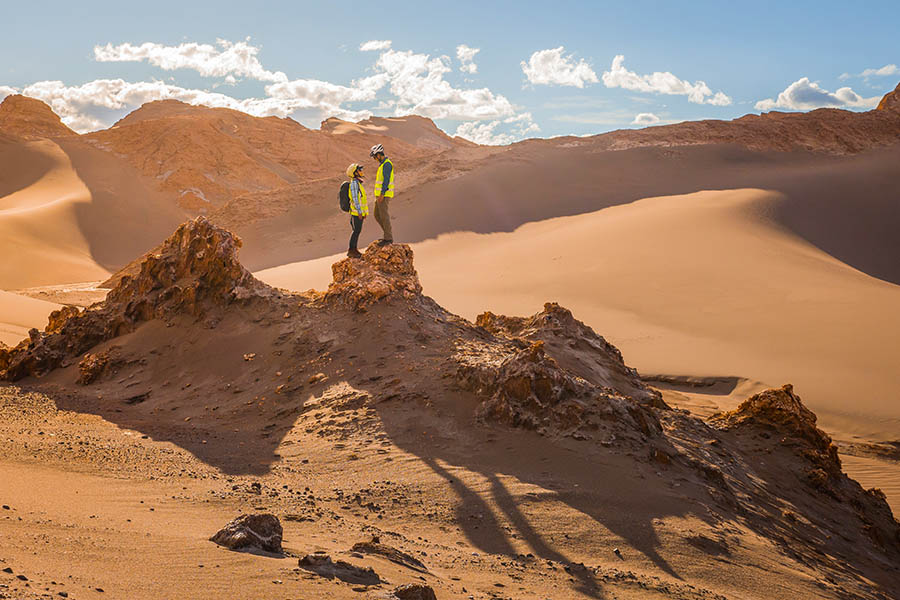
{"points": [[359, 209], [384, 191]]}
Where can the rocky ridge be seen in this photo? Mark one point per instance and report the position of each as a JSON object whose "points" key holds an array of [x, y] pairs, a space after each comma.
{"points": [[30, 119], [373, 342]]}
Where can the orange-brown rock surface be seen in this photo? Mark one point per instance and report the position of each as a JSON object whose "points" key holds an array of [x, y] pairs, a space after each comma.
{"points": [[29, 118], [891, 101]]}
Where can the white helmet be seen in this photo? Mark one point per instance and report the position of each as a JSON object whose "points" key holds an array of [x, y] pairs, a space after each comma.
{"points": [[376, 149]]}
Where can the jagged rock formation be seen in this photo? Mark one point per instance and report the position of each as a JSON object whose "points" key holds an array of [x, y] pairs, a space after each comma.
{"points": [[575, 346], [383, 272], [782, 411], [779, 415], [29, 118], [260, 531], [891, 101], [194, 270]]}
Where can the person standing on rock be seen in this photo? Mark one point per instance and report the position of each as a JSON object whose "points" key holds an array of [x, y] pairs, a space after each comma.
{"points": [[384, 191], [359, 208]]}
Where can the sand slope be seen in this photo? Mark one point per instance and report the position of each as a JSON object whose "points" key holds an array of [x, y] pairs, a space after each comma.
{"points": [[18, 314], [39, 230], [699, 284]]}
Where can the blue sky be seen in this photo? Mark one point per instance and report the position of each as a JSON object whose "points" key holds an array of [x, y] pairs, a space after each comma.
{"points": [[541, 69]]}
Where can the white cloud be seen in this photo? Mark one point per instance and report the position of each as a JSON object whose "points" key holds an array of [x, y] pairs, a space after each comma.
{"points": [[466, 57], [551, 67], [645, 119], [224, 59], [884, 71], [417, 82], [88, 107], [401, 83], [5, 91], [806, 95], [661, 83], [483, 133], [373, 45]]}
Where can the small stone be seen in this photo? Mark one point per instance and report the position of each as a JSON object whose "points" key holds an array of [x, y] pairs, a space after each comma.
{"points": [[415, 591], [7, 570], [21, 578], [262, 531], [249, 356], [287, 315]]}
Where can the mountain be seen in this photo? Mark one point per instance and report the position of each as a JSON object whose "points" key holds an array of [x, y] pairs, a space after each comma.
{"points": [[30, 118]]}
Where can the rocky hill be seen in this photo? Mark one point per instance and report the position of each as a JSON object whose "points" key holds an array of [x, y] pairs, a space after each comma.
{"points": [[192, 329], [208, 156], [29, 118], [891, 101]]}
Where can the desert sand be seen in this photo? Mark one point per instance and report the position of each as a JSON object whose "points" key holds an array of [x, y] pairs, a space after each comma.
{"points": [[204, 393]]}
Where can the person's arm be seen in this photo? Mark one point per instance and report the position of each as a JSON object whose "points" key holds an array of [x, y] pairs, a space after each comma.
{"points": [[386, 173], [354, 196]]}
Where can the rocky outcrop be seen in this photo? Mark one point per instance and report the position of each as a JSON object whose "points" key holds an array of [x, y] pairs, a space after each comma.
{"points": [[529, 389], [576, 347], [194, 272], [780, 416], [251, 532], [382, 274], [891, 101], [781, 410], [30, 118]]}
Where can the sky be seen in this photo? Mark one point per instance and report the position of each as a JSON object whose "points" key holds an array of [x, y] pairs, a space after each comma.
{"points": [[493, 72]]}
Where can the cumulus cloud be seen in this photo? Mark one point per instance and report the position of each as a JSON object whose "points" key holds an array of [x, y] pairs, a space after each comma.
{"points": [[224, 59], [645, 119], [466, 57], [661, 83], [483, 133], [418, 85], [373, 45], [87, 107], [804, 94], [5, 91], [884, 71], [401, 82], [552, 67]]}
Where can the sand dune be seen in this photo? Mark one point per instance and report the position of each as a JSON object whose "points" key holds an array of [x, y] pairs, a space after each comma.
{"points": [[18, 314], [39, 230], [700, 284]]}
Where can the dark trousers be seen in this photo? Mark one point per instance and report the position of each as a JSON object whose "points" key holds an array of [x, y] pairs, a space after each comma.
{"points": [[355, 225]]}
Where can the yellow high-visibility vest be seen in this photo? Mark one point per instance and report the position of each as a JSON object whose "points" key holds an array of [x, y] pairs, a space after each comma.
{"points": [[379, 180], [363, 205]]}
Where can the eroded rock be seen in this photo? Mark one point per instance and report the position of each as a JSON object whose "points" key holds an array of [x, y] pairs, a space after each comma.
{"points": [[381, 274], [530, 389], [194, 272], [321, 564], [414, 591], [251, 532]]}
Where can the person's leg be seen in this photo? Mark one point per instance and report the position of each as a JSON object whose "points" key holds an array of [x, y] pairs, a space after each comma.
{"points": [[378, 216], [356, 227], [385, 220]]}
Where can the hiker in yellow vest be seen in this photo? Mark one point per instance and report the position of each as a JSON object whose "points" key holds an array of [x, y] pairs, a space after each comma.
{"points": [[384, 191], [359, 209]]}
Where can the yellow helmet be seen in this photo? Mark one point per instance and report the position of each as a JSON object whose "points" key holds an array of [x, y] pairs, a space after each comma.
{"points": [[352, 169]]}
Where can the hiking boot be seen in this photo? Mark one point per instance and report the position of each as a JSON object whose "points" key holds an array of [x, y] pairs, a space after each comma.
{"points": [[384, 242], [354, 253]]}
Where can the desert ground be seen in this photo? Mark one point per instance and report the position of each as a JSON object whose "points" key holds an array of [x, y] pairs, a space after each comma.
{"points": [[353, 403]]}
